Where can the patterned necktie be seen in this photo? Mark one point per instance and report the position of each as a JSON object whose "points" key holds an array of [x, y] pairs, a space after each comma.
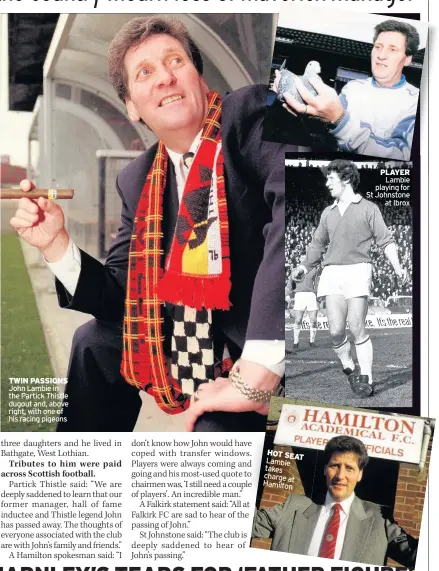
{"points": [[327, 548]]}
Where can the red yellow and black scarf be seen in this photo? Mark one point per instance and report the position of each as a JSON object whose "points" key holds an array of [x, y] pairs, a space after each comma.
{"points": [[197, 268]]}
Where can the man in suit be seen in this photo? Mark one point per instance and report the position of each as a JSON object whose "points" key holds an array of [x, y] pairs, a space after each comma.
{"points": [[218, 221], [343, 526]]}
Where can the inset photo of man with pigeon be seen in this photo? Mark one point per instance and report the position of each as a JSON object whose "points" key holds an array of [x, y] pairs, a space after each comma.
{"points": [[345, 81]]}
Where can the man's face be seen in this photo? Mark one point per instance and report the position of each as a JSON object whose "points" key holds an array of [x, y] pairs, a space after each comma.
{"points": [[342, 475], [335, 185], [388, 58], [164, 87]]}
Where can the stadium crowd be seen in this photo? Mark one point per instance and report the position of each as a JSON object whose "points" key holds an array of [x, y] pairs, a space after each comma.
{"points": [[307, 197]]}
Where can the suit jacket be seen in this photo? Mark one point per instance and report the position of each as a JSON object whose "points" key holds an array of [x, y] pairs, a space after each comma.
{"points": [[370, 537], [255, 187]]}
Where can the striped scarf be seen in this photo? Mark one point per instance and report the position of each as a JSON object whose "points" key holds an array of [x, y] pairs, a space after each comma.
{"points": [[197, 268]]}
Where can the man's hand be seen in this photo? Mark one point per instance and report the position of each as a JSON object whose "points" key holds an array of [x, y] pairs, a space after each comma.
{"points": [[40, 222], [298, 274], [222, 395], [403, 276], [325, 105]]}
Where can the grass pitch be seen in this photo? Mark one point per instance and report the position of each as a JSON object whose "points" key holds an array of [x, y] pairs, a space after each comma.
{"points": [[23, 348], [315, 373]]}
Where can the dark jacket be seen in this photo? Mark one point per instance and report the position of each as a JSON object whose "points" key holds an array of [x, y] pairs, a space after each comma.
{"points": [[255, 187], [371, 535]]}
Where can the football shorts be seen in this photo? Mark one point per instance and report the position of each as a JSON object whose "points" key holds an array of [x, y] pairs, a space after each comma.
{"points": [[353, 280], [305, 300]]}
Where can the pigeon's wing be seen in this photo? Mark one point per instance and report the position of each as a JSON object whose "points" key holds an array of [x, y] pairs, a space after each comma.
{"points": [[287, 84]]}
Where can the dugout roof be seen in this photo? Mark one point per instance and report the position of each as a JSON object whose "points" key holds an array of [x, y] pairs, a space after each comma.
{"points": [[29, 37], [73, 48]]}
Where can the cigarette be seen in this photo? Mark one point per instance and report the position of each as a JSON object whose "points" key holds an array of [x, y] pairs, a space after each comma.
{"points": [[50, 193]]}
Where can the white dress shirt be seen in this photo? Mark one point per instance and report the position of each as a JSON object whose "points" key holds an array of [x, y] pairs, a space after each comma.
{"points": [[270, 354], [324, 517]]}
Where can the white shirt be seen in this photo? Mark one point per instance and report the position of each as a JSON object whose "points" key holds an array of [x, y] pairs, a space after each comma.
{"points": [[270, 354], [181, 172], [324, 517]]}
